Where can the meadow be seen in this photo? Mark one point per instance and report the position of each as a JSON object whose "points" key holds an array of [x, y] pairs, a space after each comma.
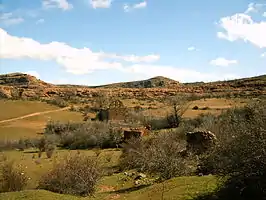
{"points": [[114, 184]]}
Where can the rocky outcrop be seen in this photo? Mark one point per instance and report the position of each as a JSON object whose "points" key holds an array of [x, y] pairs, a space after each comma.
{"points": [[130, 133], [160, 87], [200, 141]]}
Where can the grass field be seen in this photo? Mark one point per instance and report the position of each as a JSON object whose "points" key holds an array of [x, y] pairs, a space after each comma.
{"points": [[35, 167], [110, 187], [31, 126], [212, 105], [16, 108], [182, 188]]}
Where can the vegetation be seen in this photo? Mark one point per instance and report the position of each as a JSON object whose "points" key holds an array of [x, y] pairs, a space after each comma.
{"points": [[76, 175], [11, 178], [240, 155], [84, 135], [237, 159]]}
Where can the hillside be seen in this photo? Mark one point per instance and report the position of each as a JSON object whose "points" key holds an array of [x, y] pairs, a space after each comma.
{"points": [[19, 85], [22, 80], [155, 82]]}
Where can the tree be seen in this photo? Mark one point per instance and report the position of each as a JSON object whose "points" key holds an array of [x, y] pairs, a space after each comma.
{"points": [[179, 106]]}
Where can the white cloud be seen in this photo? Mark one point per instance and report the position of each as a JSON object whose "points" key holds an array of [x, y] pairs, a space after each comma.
{"points": [[9, 19], [132, 58], [33, 73], [101, 3], [254, 7], [263, 54], [140, 5], [242, 27], [76, 61], [222, 62], [264, 14], [62, 4], [192, 48], [40, 21], [126, 8], [83, 61]]}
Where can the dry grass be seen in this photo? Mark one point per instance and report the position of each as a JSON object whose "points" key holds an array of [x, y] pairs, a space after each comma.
{"points": [[30, 127], [215, 106], [16, 108]]}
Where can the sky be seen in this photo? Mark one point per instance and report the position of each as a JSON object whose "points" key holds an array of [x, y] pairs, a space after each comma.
{"points": [[95, 42]]}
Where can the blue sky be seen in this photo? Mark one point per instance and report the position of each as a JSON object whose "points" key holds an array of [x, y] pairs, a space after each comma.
{"points": [[96, 42]]}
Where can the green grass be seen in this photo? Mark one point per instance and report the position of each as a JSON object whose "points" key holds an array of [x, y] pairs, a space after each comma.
{"points": [[16, 108], [36, 167], [182, 188], [115, 185]]}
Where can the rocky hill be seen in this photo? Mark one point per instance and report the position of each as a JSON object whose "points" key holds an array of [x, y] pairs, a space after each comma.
{"points": [[156, 82], [22, 81], [19, 85]]}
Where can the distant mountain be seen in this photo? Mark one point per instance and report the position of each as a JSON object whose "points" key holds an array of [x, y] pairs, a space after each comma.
{"points": [[156, 82], [22, 80]]}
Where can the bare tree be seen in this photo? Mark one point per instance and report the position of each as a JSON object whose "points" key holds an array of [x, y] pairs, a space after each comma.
{"points": [[102, 101], [179, 104]]}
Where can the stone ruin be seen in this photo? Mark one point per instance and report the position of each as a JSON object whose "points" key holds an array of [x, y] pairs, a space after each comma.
{"points": [[130, 133], [199, 142], [115, 111]]}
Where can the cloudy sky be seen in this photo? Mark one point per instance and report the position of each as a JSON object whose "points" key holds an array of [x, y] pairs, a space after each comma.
{"points": [[96, 42]]}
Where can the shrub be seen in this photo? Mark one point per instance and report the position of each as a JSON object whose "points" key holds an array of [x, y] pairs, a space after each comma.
{"points": [[58, 102], [195, 108], [158, 156], [76, 175], [157, 123], [20, 144], [47, 144], [11, 178], [206, 108], [241, 154], [84, 135]]}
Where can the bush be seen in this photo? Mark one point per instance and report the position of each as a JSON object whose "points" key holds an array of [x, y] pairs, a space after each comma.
{"points": [[58, 102], [158, 156], [157, 123], [241, 154], [76, 175], [11, 178], [195, 108], [84, 135], [20, 144], [47, 144]]}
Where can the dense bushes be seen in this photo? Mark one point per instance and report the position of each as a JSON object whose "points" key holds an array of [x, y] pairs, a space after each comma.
{"points": [[156, 123], [20, 144], [159, 156], [57, 102], [240, 155], [11, 178], [84, 135], [76, 175]]}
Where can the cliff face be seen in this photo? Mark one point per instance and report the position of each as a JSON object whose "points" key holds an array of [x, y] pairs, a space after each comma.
{"points": [[22, 81], [25, 86]]}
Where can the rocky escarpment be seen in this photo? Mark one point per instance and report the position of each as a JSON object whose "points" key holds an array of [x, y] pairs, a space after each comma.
{"points": [[25, 86], [22, 81]]}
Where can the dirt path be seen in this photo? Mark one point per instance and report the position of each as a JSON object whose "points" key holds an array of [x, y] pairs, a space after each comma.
{"points": [[32, 114]]}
